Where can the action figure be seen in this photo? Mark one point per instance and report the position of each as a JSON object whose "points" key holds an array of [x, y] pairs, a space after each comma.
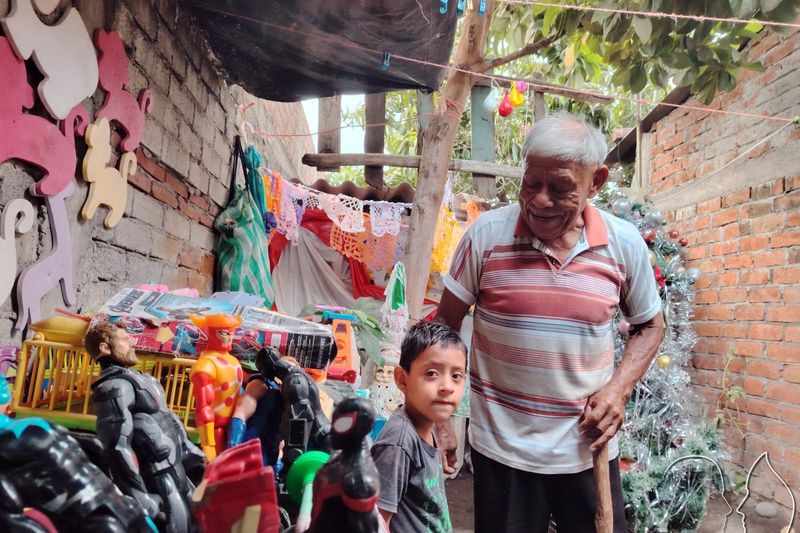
{"points": [[346, 488], [149, 453], [258, 415], [303, 424], [217, 378], [43, 467]]}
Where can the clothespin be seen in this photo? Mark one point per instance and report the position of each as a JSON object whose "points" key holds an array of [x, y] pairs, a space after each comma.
{"points": [[460, 7], [244, 124], [385, 63], [442, 6], [482, 8]]}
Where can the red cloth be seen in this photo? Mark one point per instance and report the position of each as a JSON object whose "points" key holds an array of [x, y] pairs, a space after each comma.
{"points": [[316, 221]]}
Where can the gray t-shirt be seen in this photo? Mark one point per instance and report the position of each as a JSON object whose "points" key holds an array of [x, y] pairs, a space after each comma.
{"points": [[412, 482]]}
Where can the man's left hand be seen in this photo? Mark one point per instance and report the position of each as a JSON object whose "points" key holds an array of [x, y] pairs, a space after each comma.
{"points": [[603, 415]]}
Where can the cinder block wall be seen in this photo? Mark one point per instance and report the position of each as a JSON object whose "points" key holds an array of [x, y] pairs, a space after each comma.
{"points": [[183, 177], [743, 227]]}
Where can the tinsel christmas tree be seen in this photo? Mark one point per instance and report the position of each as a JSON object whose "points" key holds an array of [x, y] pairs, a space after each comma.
{"points": [[663, 492]]}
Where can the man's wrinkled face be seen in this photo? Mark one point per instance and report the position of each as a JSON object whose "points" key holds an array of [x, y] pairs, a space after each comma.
{"points": [[554, 193], [121, 349]]}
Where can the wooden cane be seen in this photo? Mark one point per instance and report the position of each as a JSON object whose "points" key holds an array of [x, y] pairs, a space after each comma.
{"points": [[604, 516]]}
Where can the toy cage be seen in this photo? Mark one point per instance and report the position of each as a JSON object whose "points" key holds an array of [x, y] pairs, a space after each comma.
{"points": [[54, 382]]}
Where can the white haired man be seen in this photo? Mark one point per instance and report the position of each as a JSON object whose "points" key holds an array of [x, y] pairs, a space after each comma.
{"points": [[545, 276]]}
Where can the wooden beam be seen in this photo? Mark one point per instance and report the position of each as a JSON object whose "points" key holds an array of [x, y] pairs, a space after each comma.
{"points": [[409, 161], [424, 112], [329, 122], [483, 148], [375, 113], [551, 88]]}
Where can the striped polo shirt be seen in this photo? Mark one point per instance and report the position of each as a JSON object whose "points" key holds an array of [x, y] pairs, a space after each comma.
{"points": [[543, 340]]}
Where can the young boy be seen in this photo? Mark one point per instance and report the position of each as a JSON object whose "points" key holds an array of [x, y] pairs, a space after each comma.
{"points": [[431, 374]]}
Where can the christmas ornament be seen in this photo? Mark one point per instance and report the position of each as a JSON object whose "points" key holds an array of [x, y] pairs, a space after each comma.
{"points": [[621, 206], [654, 218], [506, 107], [664, 361], [649, 235], [684, 241], [693, 274], [673, 234], [516, 98], [659, 277], [522, 86], [490, 103]]}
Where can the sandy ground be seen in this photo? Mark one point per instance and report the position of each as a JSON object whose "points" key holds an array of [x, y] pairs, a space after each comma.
{"points": [[460, 501]]}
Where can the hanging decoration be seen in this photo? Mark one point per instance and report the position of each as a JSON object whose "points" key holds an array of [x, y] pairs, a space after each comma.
{"points": [[506, 107], [385, 216], [293, 204], [344, 211], [448, 234]]}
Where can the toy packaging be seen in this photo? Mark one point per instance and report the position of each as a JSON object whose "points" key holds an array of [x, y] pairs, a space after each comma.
{"points": [[159, 323]]}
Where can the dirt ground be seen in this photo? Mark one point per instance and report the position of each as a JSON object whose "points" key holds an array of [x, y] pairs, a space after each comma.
{"points": [[460, 501]]}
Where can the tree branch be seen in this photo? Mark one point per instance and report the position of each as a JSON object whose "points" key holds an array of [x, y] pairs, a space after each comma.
{"points": [[526, 50]]}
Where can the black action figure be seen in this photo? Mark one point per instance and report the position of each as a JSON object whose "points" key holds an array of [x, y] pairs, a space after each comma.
{"points": [[346, 488], [303, 424], [149, 453]]}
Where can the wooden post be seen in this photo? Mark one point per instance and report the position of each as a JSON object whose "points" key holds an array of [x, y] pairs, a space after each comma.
{"points": [[375, 112], [604, 514], [539, 107], [424, 110], [329, 122], [483, 149]]}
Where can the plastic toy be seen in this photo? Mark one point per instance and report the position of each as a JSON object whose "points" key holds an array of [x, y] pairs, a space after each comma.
{"points": [[148, 451], [238, 493], [217, 378], [346, 488], [300, 482], [258, 416], [17, 217], [43, 467], [303, 424]]}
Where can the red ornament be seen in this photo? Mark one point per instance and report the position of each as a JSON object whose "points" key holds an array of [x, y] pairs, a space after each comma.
{"points": [[35, 139], [119, 105], [684, 241], [673, 234], [506, 107], [659, 277], [649, 235]]}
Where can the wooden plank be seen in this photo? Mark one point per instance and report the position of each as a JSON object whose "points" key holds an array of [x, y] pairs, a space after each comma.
{"points": [[409, 161], [539, 106], [375, 111], [329, 122], [483, 148], [551, 88]]}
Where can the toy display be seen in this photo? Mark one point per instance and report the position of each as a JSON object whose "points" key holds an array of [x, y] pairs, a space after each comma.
{"points": [[149, 453], [383, 391], [300, 482], [43, 467], [155, 321], [258, 416], [303, 424], [238, 493], [346, 488]]}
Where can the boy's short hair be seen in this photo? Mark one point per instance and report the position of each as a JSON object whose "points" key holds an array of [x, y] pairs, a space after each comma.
{"points": [[101, 333], [422, 336]]}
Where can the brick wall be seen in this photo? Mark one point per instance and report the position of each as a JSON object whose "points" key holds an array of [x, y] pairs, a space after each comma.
{"points": [[182, 181], [743, 227]]}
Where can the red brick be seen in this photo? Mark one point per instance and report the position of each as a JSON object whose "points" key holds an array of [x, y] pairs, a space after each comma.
{"points": [[738, 261], [792, 334], [200, 200], [793, 219], [787, 238], [790, 414], [791, 373], [719, 346], [750, 312], [141, 181], [190, 257], [707, 329], [161, 193], [191, 211], [149, 165], [740, 196], [709, 206], [791, 295], [208, 263], [764, 294], [733, 330], [764, 368], [752, 243], [724, 248], [757, 406], [750, 349], [787, 202], [754, 386], [724, 217], [769, 223], [782, 432], [783, 351], [731, 231], [791, 456], [706, 362], [177, 185], [706, 297], [701, 222], [765, 258], [719, 312], [733, 295], [786, 313], [783, 392], [755, 277], [765, 332], [696, 252], [789, 275]]}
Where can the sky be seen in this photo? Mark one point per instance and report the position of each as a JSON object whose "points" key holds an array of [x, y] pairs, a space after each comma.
{"points": [[352, 138]]}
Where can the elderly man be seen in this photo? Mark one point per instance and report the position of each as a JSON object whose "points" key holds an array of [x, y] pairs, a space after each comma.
{"points": [[546, 276]]}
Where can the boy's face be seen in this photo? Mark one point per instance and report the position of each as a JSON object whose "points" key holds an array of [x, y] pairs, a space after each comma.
{"points": [[435, 383]]}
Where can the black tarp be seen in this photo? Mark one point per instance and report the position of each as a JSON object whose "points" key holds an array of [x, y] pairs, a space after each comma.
{"points": [[291, 50]]}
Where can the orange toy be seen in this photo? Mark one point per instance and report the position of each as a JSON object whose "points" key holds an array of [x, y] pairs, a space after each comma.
{"points": [[217, 378]]}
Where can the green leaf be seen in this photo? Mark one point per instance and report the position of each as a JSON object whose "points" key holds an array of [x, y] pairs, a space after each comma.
{"points": [[643, 28], [550, 15], [638, 78], [756, 66], [743, 8], [769, 5], [753, 27], [678, 60]]}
